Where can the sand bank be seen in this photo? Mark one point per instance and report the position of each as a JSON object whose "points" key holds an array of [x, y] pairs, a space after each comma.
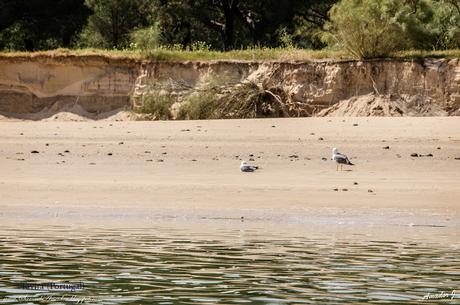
{"points": [[189, 169]]}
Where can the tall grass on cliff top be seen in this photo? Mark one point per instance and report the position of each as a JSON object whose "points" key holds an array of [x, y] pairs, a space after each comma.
{"points": [[282, 54], [257, 54], [177, 54]]}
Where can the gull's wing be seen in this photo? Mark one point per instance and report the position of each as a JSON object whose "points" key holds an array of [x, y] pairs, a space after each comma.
{"points": [[247, 168], [342, 159]]}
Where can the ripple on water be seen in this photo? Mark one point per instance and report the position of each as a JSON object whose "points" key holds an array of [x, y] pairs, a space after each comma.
{"points": [[238, 267]]}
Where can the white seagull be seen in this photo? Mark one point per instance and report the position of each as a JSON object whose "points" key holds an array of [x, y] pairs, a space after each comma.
{"points": [[340, 158], [246, 167]]}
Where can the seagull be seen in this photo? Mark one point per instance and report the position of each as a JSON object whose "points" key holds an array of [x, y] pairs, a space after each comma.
{"points": [[246, 167], [340, 158]]}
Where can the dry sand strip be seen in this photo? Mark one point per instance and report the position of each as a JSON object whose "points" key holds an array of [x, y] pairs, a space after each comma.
{"points": [[191, 169]]}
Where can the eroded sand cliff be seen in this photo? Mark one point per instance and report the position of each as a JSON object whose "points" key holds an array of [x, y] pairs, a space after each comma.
{"points": [[48, 85], [95, 85]]}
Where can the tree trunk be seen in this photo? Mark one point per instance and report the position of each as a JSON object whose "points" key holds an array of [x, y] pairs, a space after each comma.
{"points": [[229, 7]]}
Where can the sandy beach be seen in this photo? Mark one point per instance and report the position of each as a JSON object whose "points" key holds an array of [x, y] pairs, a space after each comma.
{"points": [[149, 212], [190, 169]]}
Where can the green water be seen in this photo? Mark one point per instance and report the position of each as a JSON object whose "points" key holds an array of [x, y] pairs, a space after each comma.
{"points": [[228, 265]]}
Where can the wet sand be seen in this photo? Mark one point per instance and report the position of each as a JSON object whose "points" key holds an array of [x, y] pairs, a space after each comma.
{"points": [[135, 171]]}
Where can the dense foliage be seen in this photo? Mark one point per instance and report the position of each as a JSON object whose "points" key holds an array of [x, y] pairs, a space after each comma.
{"points": [[364, 28], [370, 28]]}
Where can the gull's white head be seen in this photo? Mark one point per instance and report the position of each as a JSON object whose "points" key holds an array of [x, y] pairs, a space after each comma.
{"points": [[334, 151], [243, 162]]}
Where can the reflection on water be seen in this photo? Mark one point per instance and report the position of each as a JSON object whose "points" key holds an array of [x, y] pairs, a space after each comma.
{"points": [[170, 265]]}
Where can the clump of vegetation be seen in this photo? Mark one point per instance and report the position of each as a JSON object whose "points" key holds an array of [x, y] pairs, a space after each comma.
{"points": [[369, 28], [235, 101], [157, 105], [198, 106], [445, 25], [372, 29], [112, 22], [216, 98], [146, 38]]}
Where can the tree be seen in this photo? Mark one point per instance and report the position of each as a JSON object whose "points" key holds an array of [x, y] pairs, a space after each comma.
{"points": [[229, 24], [112, 21], [445, 26], [40, 24], [184, 22], [376, 28], [309, 22], [217, 22]]}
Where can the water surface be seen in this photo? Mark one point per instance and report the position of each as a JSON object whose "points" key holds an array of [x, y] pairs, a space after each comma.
{"points": [[235, 263]]}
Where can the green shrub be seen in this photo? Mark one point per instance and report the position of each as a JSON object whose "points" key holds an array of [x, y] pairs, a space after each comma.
{"points": [[200, 106], [285, 39], [157, 105], [445, 26], [146, 39], [371, 28], [13, 38]]}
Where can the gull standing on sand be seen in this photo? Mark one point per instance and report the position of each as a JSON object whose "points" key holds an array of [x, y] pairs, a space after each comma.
{"points": [[246, 167], [340, 158]]}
